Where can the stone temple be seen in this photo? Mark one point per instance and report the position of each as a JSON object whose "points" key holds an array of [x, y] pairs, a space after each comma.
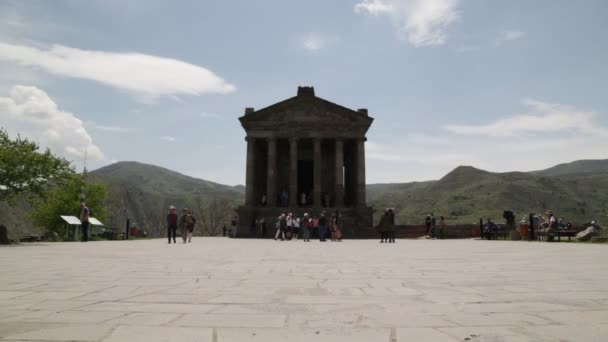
{"points": [[306, 154]]}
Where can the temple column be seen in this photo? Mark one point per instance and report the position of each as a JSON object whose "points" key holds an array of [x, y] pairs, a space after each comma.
{"points": [[293, 172], [250, 175], [271, 190], [361, 201], [339, 196], [316, 191]]}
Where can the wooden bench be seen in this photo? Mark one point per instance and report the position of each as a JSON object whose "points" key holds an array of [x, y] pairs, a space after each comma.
{"points": [[565, 232], [113, 234]]}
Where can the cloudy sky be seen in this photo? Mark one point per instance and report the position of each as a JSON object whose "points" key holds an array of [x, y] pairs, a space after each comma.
{"points": [[500, 85]]}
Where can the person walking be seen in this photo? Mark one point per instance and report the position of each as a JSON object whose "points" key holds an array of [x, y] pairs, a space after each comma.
{"points": [[224, 230], [281, 226], [190, 225], [84, 221], [433, 227], [172, 221], [289, 222], [306, 224], [183, 225]]}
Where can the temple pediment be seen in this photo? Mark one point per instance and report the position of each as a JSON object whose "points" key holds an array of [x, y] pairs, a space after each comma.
{"points": [[306, 110]]}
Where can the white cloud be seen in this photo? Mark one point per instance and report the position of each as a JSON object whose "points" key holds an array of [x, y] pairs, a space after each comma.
{"points": [[543, 118], [508, 36], [146, 75], [546, 135], [112, 129], [167, 138], [30, 112], [314, 42], [420, 22]]}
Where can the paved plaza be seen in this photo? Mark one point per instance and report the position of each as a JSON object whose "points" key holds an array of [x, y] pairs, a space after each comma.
{"points": [[226, 290]]}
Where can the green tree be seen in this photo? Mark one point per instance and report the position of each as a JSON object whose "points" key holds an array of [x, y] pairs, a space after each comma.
{"points": [[24, 170], [65, 200]]}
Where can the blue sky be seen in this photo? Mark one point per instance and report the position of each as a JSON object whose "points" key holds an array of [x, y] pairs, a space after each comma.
{"points": [[500, 85]]}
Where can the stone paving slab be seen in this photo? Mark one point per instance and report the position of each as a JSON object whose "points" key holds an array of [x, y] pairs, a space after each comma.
{"points": [[220, 290]]}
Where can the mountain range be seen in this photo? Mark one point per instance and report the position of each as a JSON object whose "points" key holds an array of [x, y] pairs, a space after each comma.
{"points": [[575, 191]]}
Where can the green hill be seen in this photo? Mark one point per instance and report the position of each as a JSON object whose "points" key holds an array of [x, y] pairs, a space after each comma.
{"points": [[576, 168], [466, 194], [144, 192]]}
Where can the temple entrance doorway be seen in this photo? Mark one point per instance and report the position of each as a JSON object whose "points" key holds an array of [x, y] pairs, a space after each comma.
{"points": [[305, 181]]}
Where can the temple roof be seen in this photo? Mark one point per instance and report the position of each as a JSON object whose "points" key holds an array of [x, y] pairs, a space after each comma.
{"points": [[306, 111]]}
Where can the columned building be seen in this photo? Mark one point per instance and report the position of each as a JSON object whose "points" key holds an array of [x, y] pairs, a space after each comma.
{"points": [[306, 154]]}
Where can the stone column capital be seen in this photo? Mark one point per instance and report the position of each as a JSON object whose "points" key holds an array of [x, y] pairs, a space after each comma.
{"points": [[362, 139], [294, 139], [271, 139], [250, 139]]}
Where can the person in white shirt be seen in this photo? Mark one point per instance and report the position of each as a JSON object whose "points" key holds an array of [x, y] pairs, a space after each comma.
{"points": [[296, 227]]}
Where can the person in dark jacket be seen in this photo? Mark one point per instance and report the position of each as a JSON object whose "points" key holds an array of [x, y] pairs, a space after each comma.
{"points": [[172, 221], [384, 226], [322, 227], [427, 222]]}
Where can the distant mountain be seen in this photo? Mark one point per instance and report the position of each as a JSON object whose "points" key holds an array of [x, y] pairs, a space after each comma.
{"points": [[144, 193], [575, 191], [467, 194], [576, 168]]}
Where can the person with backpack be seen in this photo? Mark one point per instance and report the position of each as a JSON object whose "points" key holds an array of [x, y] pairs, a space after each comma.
{"points": [[172, 221], [184, 220]]}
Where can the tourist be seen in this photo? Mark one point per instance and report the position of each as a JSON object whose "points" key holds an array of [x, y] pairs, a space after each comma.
{"points": [[326, 200], [303, 199], [233, 224], [281, 225], [306, 224], [183, 224], [383, 226], [84, 221], [332, 227], [338, 226], [551, 226], [263, 200], [391, 226], [433, 226], [172, 221], [289, 223], [322, 227], [489, 229], [314, 227], [427, 222], [442, 227], [190, 225], [296, 227], [224, 230], [284, 196]]}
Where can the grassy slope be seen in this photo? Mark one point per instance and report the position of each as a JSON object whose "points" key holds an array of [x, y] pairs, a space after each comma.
{"points": [[466, 194]]}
